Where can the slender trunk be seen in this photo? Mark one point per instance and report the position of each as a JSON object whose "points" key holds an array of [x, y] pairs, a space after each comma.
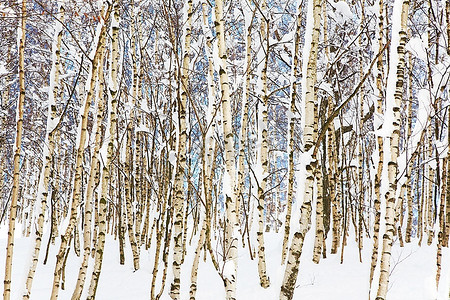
{"points": [[320, 237], [380, 143], [93, 179], [293, 118], [330, 150], [431, 182], [48, 153], [231, 221], [409, 220], [395, 96], [194, 271], [441, 216], [361, 187], [245, 117], [420, 200], [309, 137], [447, 15], [181, 161], [79, 159], [263, 152], [129, 155], [19, 129]]}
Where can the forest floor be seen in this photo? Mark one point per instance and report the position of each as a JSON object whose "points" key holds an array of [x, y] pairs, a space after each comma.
{"points": [[412, 273]]}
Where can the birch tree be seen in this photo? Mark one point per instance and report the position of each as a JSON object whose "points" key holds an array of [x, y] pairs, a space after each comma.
{"points": [[263, 159], [65, 239], [176, 132], [231, 222], [181, 159], [309, 136], [21, 35], [48, 153], [394, 95]]}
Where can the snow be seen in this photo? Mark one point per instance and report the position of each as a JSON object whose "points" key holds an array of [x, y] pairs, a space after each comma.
{"points": [[142, 128], [374, 9], [417, 47], [341, 12], [377, 119], [326, 87], [3, 69], [305, 58], [388, 127], [173, 158], [7, 11], [217, 62], [423, 112], [300, 177], [227, 188], [287, 38], [343, 9], [229, 270], [412, 278], [144, 105], [115, 23], [432, 164], [96, 40]]}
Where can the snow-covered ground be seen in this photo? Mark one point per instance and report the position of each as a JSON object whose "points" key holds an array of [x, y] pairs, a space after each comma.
{"points": [[412, 276]]}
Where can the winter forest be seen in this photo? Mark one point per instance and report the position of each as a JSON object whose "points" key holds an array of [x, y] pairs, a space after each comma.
{"points": [[225, 149]]}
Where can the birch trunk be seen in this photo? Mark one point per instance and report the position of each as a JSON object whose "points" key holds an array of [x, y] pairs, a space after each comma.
{"points": [[181, 162], [409, 220], [361, 143], [48, 153], [446, 229], [244, 115], [394, 149], [309, 136], [293, 119], [65, 239], [231, 222], [431, 182], [106, 173], [380, 143], [93, 179], [129, 179], [332, 153], [447, 16], [320, 231], [263, 153], [21, 35], [207, 160], [441, 215]]}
